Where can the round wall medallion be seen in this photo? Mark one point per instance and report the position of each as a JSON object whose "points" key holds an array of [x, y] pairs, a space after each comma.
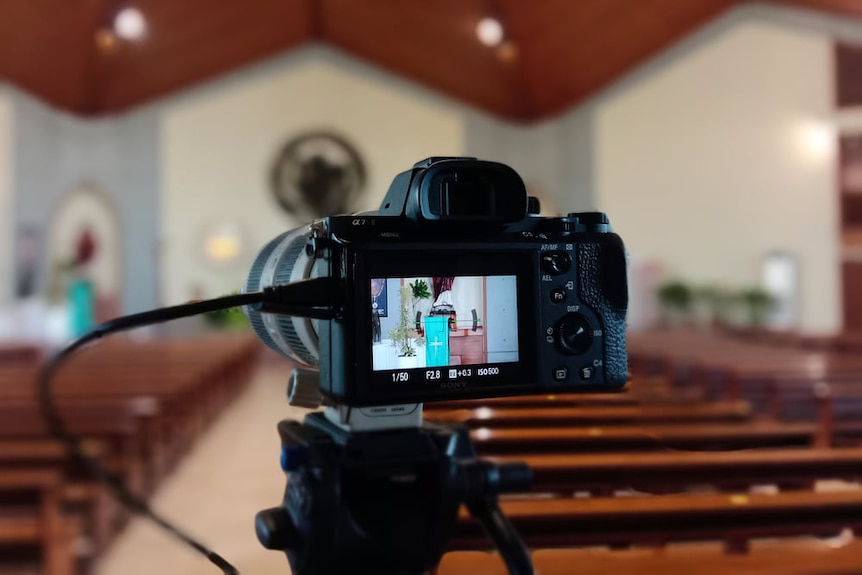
{"points": [[317, 174]]}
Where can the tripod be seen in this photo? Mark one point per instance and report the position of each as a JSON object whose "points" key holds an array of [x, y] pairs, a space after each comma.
{"points": [[384, 502]]}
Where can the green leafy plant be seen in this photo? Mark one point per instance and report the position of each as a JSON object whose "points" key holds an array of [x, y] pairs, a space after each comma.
{"points": [[403, 336], [676, 296], [676, 299], [758, 303], [230, 318], [419, 290], [714, 304]]}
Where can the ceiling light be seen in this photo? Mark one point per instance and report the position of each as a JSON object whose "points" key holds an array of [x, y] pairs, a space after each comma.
{"points": [[129, 24], [106, 40], [507, 51], [490, 31]]}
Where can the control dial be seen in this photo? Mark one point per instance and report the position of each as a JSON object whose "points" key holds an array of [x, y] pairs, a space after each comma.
{"points": [[556, 263], [573, 334]]}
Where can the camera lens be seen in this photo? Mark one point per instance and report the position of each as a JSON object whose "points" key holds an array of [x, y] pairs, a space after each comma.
{"points": [[284, 260], [573, 334]]}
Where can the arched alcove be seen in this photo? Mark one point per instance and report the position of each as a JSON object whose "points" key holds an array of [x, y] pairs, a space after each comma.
{"points": [[87, 209]]}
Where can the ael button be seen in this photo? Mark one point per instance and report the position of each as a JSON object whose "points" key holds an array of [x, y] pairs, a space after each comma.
{"points": [[556, 263]]}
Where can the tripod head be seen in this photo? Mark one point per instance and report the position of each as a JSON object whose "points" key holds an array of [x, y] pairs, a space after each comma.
{"points": [[384, 500]]}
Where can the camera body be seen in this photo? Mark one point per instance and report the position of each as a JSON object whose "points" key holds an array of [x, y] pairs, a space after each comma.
{"points": [[520, 303]]}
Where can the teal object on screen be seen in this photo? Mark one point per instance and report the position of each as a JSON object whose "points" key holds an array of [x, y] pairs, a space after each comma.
{"points": [[436, 340], [81, 306]]}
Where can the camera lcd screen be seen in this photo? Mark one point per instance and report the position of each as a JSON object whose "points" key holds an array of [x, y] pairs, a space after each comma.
{"points": [[447, 327]]}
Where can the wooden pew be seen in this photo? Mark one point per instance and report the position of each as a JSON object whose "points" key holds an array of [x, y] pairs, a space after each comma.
{"points": [[658, 520], [190, 380], [81, 496], [737, 378], [112, 423], [110, 429], [670, 518], [21, 354], [721, 367], [31, 518], [654, 395], [130, 400], [786, 558], [605, 473], [703, 437], [837, 405], [712, 354], [713, 412]]}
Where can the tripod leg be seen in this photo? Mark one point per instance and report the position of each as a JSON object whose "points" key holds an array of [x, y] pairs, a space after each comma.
{"points": [[510, 545]]}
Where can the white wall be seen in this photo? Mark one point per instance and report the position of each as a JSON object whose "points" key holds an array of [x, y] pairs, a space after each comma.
{"points": [[671, 151], [553, 157], [713, 161], [57, 153], [218, 143], [7, 221]]}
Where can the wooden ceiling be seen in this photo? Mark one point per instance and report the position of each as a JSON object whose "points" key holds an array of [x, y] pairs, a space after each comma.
{"points": [[558, 52]]}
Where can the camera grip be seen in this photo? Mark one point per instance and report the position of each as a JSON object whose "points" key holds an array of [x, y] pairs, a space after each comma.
{"points": [[603, 287]]}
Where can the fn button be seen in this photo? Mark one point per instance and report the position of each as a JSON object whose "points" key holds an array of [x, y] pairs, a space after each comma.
{"points": [[558, 295]]}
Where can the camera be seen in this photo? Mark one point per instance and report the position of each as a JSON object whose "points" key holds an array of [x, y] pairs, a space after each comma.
{"points": [[519, 303]]}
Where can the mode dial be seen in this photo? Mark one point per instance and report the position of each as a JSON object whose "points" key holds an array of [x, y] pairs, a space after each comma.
{"points": [[593, 221]]}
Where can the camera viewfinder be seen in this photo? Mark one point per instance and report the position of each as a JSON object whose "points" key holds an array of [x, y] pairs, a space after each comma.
{"points": [[471, 198]]}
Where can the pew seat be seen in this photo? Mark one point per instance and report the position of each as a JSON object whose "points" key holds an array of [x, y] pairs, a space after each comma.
{"points": [[802, 557], [702, 437], [633, 395], [608, 472], [31, 519], [661, 519], [82, 496], [137, 406], [551, 416]]}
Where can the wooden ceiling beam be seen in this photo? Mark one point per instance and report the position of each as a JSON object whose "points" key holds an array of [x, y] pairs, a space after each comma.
{"points": [[433, 44], [191, 41], [564, 51], [43, 51]]}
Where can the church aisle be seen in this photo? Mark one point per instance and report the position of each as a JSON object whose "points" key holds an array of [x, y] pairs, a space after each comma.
{"points": [[231, 474]]}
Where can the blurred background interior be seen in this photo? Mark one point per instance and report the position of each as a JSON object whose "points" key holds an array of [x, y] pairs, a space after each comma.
{"points": [[720, 136], [150, 148]]}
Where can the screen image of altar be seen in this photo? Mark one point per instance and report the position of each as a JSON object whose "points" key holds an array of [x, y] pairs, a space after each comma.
{"points": [[443, 321]]}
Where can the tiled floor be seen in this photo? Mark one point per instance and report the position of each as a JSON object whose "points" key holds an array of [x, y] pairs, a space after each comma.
{"points": [[232, 473]]}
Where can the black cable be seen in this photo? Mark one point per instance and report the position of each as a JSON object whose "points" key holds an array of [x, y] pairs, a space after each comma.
{"points": [[73, 444]]}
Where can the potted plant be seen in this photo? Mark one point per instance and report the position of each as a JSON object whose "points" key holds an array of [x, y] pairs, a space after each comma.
{"points": [[676, 300], [712, 306], [404, 337], [420, 293], [758, 303]]}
